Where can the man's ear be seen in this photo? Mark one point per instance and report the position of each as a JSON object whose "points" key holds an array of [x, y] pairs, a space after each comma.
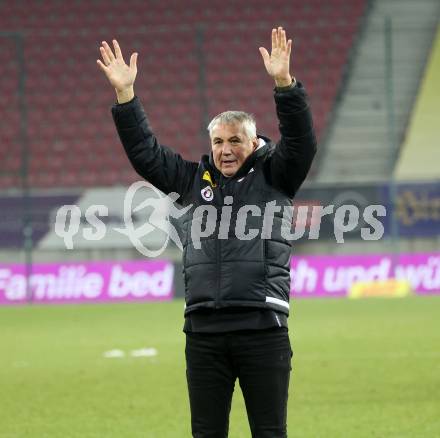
{"points": [[255, 143]]}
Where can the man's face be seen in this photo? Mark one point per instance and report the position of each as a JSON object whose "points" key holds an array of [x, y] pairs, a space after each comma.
{"points": [[230, 147]]}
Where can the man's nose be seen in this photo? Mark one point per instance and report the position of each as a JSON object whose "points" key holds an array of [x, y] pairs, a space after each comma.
{"points": [[226, 150]]}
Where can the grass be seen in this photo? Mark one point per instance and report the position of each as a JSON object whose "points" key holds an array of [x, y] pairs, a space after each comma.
{"points": [[367, 368]]}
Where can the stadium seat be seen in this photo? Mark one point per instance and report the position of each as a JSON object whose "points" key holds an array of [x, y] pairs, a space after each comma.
{"points": [[206, 64]]}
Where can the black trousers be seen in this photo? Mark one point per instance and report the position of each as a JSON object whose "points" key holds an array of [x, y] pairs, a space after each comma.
{"points": [[260, 359]]}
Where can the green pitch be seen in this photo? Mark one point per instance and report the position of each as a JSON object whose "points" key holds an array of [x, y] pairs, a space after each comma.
{"points": [[367, 368]]}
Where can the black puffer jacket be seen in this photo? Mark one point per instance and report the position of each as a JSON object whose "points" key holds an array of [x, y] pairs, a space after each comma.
{"points": [[231, 266]]}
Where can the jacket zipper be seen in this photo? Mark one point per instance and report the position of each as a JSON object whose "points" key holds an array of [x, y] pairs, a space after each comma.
{"points": [[221, 186], [217, 295]]}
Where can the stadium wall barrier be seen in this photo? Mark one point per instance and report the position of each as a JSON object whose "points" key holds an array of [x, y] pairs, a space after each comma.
{"points": [[412, 211], [335, 276], [79, 282], [159, 280], [416, 208], [413, 206]]}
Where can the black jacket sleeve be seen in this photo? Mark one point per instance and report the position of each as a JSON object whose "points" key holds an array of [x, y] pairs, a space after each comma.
{"points": [[293, 154], [158, 164]]}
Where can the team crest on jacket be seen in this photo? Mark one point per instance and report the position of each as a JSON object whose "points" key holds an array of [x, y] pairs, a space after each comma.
{"points": [[207, 193]]}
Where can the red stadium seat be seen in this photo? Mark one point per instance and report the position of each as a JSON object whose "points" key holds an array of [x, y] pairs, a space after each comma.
{"points": [[207, 64]]}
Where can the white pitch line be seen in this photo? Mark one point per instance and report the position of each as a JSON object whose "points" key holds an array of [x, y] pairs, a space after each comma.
{"points": [[144, 352], [114, 354], [140, 352]]}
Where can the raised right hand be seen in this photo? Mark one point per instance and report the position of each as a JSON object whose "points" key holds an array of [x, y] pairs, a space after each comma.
{"points": [[120, 75]]}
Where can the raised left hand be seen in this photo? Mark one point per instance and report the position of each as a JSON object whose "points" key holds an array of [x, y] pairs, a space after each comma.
{"points": [[278, 62]]}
